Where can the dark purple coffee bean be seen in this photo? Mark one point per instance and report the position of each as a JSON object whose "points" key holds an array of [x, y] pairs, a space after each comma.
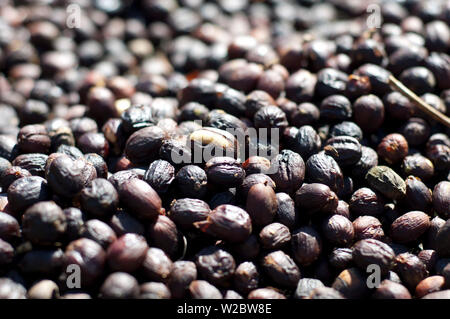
{"points": [[127, 253], [351, 283], [9, 227], [346, 150], [286, 212], [281, 269], [289, 170], [391, 290], [33, 139], [181, 276], [99, 232], [157, 266], [227, 222], [119, 285], [418, 195], [441, 199], [224, 171], [160, 176], [372, 251], [33, 163], [410, 269], [99, 198], [142, 146], [191, 181], [321, 168], [140, 199], [274, 236], [338, 230], [336, 108], [306, 245], [365, 201], [261, 204], [246, 277], [186, 211], [27, 191], [215, 265], [366, 227], [409, 227], [67, 177], [163, 234], [89, 256], [201, 289], [315, 197], [44, 223]]}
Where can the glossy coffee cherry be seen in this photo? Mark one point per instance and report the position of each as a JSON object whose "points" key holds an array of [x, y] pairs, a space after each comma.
{"points": [[351, 283], [32, 162], [99, 164], [157, 266], [127, 253], [93, 143], [123, 223], [368, 112], [270, 117], [119, 285], [201, 289], [441, 201], [181, 276], [369, 159], [9, 227], [336, 108], [418, 166], [398, 106], [419, 79], [341, 258], [391, 290], [289, 170], [89, 256], [315, 198], [306, 142], [140, 198], [418, 195], [82, 125], [136, 117], [261, 204], [143, 146], [246, 277], [163, 233], [154, 290], [12, 174], [393, 148], [410, 269]]}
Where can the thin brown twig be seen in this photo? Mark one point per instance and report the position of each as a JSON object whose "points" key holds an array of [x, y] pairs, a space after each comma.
{"points": [[423, 106]]}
